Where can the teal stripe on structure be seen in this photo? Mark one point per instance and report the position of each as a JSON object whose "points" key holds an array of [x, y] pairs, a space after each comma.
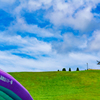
{"points": [[1, 98], [10, 93], [4, 96]]}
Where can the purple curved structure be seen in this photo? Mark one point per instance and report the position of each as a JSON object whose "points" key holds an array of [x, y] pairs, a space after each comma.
{"points": [[11, 89]]}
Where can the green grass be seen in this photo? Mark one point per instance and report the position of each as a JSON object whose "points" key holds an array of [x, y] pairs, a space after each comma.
{"points": [[82, 85]]}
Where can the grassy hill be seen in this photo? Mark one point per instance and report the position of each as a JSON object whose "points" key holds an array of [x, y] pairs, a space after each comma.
{"points": [[82, 85]]}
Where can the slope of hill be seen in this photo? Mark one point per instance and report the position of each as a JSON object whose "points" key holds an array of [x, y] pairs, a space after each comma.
{"points": [[82, 85]]}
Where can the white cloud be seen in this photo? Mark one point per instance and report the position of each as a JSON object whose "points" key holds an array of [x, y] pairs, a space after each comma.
{"points": [[38, 4], [7, 1], [14, 63], [94, 43], [27, 45], [82, 19], [6, 5], [70, 43], [33, 5], [76, 14], [21, 26]]}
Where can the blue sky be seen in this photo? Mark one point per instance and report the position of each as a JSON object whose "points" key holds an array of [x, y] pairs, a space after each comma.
{"points": [[47, 35]]}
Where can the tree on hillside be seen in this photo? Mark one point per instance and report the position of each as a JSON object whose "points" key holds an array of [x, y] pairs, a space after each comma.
{"points": [[69, 69], [64, 69], [77, 69]]}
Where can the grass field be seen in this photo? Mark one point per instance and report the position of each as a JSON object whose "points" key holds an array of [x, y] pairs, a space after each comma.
{"points": [[82, 85]]}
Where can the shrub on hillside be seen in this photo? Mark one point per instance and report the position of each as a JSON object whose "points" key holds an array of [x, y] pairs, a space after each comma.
{"points": [[69, 69], [64, 69], [77, 69]]}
